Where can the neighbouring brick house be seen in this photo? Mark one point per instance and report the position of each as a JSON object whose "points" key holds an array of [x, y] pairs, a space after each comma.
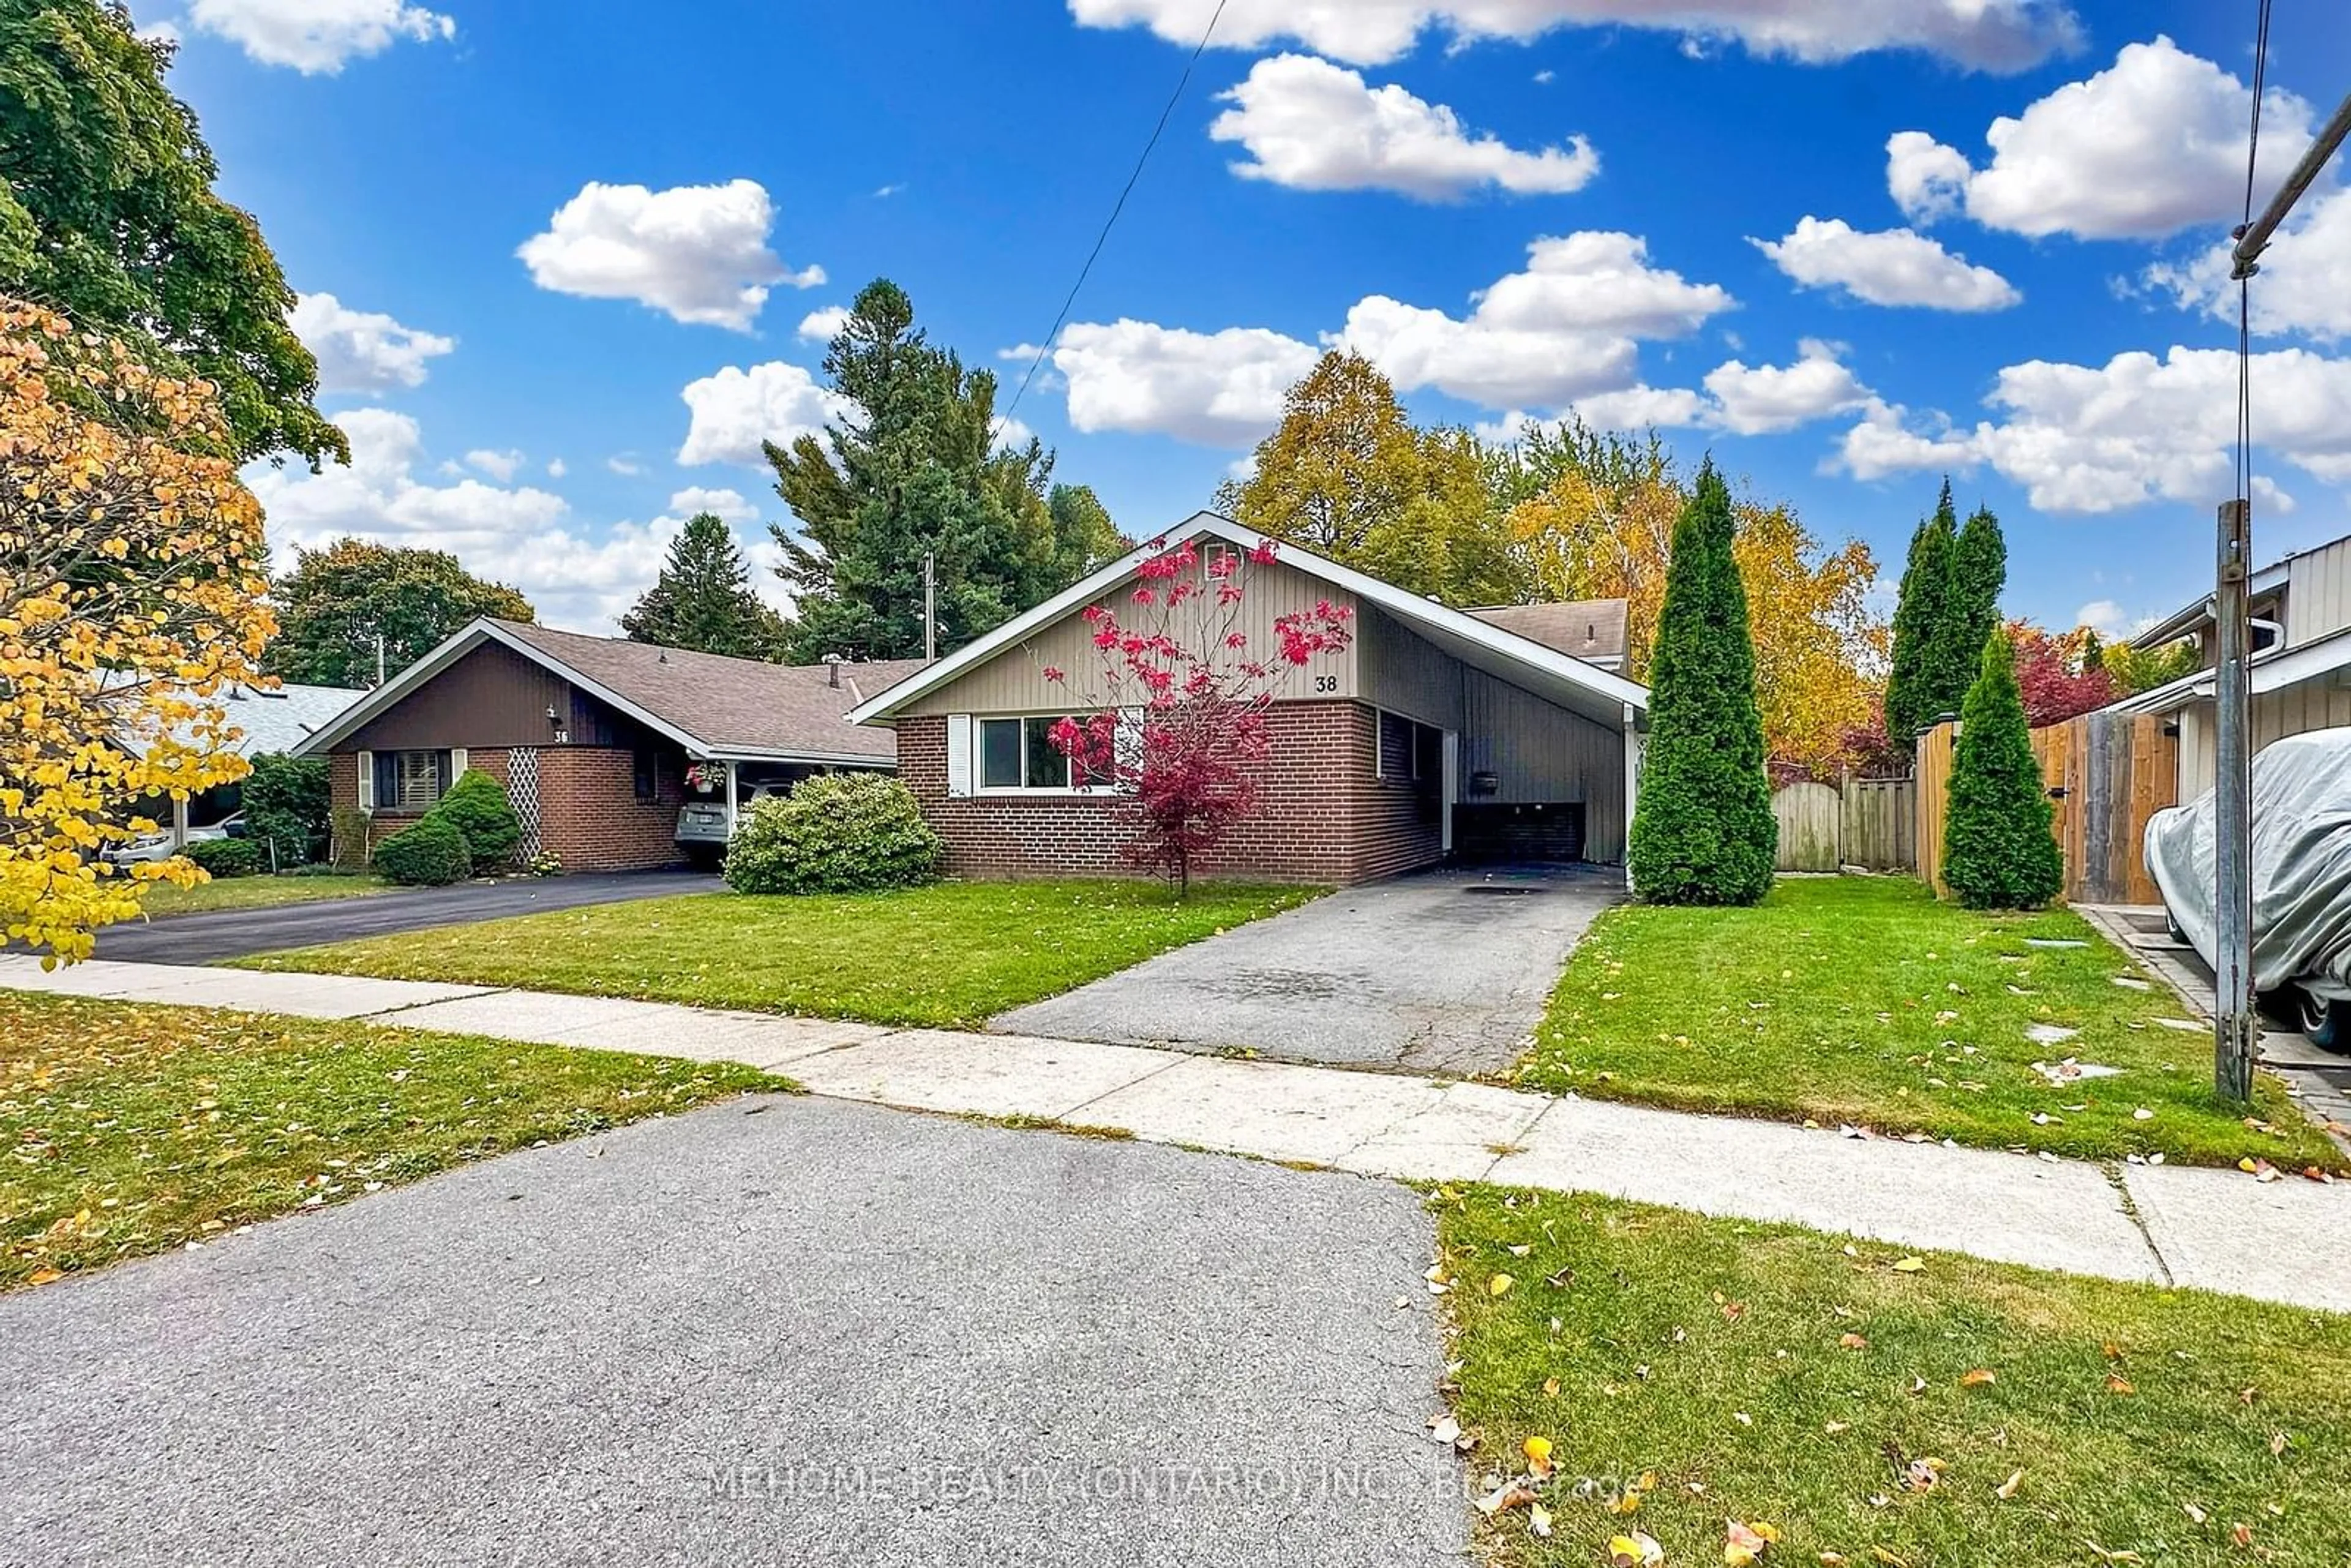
{"points": [[1477, 736], [601, 743]]}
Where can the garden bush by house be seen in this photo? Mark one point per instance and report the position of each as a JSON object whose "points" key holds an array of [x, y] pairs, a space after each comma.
{"points": [[432, 853], [849, 832], [351, 838], [226, 857], [477, 805], [287, 809], [1998, 850]]}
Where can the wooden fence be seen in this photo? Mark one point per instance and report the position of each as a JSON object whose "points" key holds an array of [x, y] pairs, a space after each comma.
{"points": [[2106, 775], [1866, 822]]}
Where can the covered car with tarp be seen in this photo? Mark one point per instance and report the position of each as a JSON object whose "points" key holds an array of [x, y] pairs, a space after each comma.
{"points": [[2300, 875]]}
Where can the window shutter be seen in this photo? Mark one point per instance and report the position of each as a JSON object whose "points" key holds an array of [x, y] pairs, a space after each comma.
{"points": [[441, 777], [958, 754], [456, 763], [366, 761], [1128, 743]]}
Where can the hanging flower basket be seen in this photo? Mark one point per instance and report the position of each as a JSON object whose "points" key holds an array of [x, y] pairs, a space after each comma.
{"points": [[704, 778]]}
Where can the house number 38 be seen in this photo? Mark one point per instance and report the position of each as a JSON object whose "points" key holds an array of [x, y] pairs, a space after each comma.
{"points": [[1326, 683]]}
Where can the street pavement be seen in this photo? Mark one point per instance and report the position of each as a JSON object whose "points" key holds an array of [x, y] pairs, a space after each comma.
{"points": [[775, 1331]]}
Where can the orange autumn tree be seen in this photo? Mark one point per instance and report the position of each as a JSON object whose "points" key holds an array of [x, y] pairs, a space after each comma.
{"points": [[1596, 521], [131, 570]]}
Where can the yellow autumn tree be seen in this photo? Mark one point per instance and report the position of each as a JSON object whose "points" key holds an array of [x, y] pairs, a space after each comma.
{"points": [[1597, 522], [131, 570]]}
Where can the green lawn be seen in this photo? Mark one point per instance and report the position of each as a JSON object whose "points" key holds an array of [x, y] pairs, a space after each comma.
{"points": [[131, 1130], [2141, 1425], [952, 955], [1862, 999], [258, 893]]}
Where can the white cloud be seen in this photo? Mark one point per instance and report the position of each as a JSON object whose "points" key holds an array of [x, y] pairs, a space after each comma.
{"points": [[363, 350], [2085, 438], [883, 192], [557, 468], [2304, 282], [1011, 435], [499, 465], [625, 465], [1767, 399], [1565, 329], [317, 36], [163, 31], [734, 410], [2153, 144], [823, 326], [727, 505], [1992, 35], [2111, 620], [1217, 389], [1313, 126], [697, 252], [1892, 267]]}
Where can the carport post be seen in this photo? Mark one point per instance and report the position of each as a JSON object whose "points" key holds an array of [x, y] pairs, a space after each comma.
{"points": [[2233, 904], [730, 803]]}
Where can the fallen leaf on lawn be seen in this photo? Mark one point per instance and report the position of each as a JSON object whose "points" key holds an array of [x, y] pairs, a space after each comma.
{"points": [[1910, 1266], [1833, 1427], [1550, 1387], [1634, 1551], [1499, 1285], [1883, 1555], [1852, 1342], [1538, 1452], [1538, 1519], [1978, 1378], [43, 1276], [1629, 1500], [1743, 1417], [2007, 1488], [2246, 1397], [1924, 1474], [2277, 1444], [1444, 1429], [1832, 1559], [1917, 1385], [2243, 1534], [2114, 1556], [1509, 1494], [2112, 1350], [2116, 1385], [1743, 1543], [1560, 1281], [2195, 1515]]}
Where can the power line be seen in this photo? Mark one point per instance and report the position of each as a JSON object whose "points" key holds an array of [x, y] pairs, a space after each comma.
{"points": [[2244, 456], [1119, 207]]}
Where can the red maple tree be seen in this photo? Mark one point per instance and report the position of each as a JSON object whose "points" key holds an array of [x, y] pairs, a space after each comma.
{"points": [[2055, 674], [1174, 721]]}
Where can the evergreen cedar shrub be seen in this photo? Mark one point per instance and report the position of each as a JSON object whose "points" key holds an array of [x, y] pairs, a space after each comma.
{"points": [[477, 805], [849, 832], [348, 841], [1704, 831], [226, 857], [1998, 850], [288, 806], [1919, 612], [431, 853]]}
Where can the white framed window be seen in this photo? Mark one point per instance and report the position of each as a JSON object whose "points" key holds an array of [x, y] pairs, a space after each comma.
{"points": [[412, 781], [1017, 755]]}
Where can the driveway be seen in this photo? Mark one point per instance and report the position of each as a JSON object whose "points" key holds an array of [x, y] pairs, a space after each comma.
{"points": [[241, 933], [1439, 972], [774, 1332]]}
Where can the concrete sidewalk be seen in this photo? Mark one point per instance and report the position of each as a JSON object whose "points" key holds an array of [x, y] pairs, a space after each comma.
{"points": [[2214, 1230]]}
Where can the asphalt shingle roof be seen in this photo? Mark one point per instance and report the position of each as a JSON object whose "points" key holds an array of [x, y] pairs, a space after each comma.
{"points": [[1580, 628], [731, 705]]}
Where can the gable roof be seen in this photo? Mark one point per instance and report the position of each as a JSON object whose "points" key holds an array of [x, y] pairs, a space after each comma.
{"points": [[281, 718], [710, 704], [1559, 677], [1592, 630]]}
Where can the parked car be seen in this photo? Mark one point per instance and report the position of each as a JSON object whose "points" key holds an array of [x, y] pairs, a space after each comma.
{"points": [[159, 846], [702, 824], [2301, 875]]}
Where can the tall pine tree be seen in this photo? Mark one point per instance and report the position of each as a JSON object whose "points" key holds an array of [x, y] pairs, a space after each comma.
{"points": [[1970, 610], [912, 469], [1998, 850], [1704, 831], [1911, 686], [704, 601]]}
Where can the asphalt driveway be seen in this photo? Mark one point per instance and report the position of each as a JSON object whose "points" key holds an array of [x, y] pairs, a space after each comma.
{"points": [[241, 933], [771, 1332], [1439, 972]]}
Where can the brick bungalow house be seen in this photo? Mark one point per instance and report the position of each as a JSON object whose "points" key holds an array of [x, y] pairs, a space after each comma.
{"points": [[1477, 736], [599, 742]]}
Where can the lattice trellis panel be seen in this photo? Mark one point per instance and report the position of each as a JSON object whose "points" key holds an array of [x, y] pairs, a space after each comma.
{"points": [[522, 788]]}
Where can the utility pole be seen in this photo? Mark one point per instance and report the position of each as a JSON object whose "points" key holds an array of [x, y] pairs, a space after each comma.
{"points": [[378, 658], [930, 607], [2235, 1027]]}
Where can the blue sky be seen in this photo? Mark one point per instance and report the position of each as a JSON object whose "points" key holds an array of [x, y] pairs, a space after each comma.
{"points": [[558, 259]]}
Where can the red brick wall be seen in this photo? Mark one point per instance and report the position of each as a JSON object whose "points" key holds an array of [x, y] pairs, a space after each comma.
{"points": [[589, 811], [1322, 815]]}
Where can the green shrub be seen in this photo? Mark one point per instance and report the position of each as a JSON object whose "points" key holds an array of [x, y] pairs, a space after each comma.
{"points": [[477, 805], [1998, 850], [288, 807], [1703, 832], [226, 857], [850, 833], [432, 853], [352, 831]]}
